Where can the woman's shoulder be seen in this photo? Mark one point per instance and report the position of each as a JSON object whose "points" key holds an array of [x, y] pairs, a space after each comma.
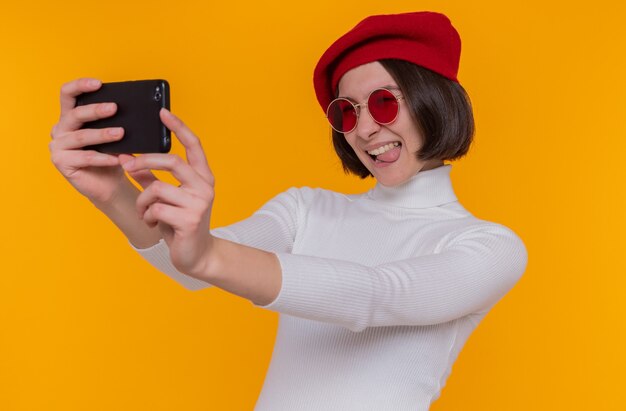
{"points": [[315, 194], [473, 223], [477, 232]]}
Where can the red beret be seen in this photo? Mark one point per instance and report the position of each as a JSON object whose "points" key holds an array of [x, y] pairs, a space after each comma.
{"points": [[424, 38]]}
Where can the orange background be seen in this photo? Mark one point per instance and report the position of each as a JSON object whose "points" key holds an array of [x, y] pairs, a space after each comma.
{"points": [[86, 324]]}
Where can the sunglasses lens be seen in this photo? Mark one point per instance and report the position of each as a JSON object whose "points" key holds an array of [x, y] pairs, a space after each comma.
{"points": [[342, 115], [383, 106]]}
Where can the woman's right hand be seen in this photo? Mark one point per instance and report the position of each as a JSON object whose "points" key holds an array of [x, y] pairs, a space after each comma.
{"points": [[98, 176]]}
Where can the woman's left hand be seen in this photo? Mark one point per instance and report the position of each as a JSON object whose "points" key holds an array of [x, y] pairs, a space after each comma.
{"points": [[181, 213]]}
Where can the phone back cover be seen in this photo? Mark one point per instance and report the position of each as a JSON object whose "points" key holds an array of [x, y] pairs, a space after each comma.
{"points": [[138, 106]]}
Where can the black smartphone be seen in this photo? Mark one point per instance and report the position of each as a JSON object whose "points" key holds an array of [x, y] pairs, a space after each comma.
{"points": [[138, 105]]}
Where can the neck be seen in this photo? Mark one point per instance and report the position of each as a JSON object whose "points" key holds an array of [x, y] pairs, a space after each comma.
{"points": [[427, 188]]}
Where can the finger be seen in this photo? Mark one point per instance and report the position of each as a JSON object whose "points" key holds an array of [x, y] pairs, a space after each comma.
{"points": [[157, 212], [125, 157], [81, 138], [162, 192], [75, 118], [193, 147], [167, 162], [170, 215], [70, 90], [75, 159], [143, 177]]}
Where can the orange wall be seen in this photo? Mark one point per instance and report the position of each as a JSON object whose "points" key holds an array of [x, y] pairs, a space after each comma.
{"points": [[86, 324]]}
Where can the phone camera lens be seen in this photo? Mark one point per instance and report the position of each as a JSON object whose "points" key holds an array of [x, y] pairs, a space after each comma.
{"points": [[157, 94]]}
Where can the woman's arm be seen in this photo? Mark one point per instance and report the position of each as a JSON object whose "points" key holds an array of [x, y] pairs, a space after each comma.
{"points": [[472, 271], [182, 215], [470, 274], [271, 228], [121, 211]]}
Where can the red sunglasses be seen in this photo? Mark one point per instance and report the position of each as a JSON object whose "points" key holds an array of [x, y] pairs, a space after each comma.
{"points": [[382, 104]]}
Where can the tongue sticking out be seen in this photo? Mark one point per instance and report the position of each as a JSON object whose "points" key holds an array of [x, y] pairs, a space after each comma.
{"points": [[389, 156]]}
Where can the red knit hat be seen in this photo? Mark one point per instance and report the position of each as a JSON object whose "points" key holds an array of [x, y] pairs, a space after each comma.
{"points": [[424, 38]]}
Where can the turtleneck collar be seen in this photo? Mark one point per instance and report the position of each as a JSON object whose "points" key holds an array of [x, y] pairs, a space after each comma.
{"points": [[430, 188]]}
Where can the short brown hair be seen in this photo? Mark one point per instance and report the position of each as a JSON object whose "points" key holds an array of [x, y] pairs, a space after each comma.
{"points": [[440, 107]]}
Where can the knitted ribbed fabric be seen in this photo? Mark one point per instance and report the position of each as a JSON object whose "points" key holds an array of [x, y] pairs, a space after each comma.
{"points": [[380, 291]]}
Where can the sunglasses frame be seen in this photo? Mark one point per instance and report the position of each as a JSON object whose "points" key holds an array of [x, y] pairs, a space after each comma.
{"points": [[357, 108]]}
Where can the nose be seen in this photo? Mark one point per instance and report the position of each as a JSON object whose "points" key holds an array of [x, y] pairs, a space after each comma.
{"points": [[366, 127]]}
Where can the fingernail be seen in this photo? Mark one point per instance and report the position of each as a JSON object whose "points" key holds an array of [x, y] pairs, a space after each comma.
{"points": [[128, 165], [94, 83], [116, 131], [108, 107]]}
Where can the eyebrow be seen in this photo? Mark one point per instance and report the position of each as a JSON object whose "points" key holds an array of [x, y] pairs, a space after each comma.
{"points": [[389, 86]]}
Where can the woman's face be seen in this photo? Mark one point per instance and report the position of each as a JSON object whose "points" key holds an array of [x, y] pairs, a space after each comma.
{"points": [[396, 165]]}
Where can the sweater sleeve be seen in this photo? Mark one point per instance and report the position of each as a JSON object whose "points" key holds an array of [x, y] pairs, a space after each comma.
{"points": [[469, 274], [271, 228]]}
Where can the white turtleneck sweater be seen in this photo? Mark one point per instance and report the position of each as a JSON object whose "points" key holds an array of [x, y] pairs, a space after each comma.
{"points": [[379, 293]]}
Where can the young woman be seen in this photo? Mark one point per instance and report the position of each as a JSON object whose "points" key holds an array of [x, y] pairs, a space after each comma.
{"points": [[377, 292]]}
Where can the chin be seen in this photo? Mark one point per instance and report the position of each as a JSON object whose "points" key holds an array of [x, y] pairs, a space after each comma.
{"points": [[392, 174]]}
